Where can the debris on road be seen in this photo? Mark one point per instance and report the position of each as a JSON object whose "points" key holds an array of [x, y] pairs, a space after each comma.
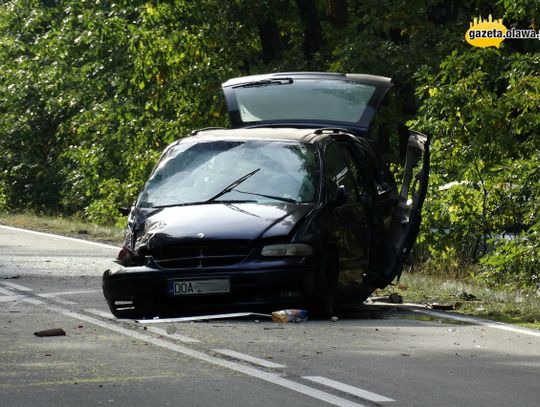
{"points": [[442, 307], [393, 298], [51, 332], [202, 317], [334, 319], [289, 315]]}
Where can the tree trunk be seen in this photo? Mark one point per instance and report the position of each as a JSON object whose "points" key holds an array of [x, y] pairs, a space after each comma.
{"points": [[339, 13], [312, 27], [270, 40]]}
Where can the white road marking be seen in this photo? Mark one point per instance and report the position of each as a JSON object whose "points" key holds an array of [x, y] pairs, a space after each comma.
{"points": [[10, 298], [71, 239], [57, 299], [178, 337], [247, 370], [355, 391], [15, 286], [247, 358], [79, 292], [479, 321], [202, 317], [3, 291], [100, 313]]}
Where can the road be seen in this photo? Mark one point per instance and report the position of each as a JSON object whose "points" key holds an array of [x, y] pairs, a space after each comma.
{"points": [[373, 356]]}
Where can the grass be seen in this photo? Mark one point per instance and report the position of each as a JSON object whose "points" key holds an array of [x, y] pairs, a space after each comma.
{"points": [[500, 304], [71, 227]]}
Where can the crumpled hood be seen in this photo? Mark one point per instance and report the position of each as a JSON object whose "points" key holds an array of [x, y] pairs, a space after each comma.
{"points": [[243, 221]]}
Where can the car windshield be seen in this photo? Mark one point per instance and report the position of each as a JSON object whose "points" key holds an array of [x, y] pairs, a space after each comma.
{"points": [[261, 171], [303, 99]]}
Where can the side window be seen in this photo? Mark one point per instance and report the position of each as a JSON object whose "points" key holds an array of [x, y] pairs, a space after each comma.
{"points": [[340, 171], [356, 172]]}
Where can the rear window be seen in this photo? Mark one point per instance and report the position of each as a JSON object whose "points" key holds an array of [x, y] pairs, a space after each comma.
{"points": [[304, 99]]}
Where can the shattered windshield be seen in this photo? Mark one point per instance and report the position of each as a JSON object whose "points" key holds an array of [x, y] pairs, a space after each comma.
{"points": [[304, 99], [195, 172]]}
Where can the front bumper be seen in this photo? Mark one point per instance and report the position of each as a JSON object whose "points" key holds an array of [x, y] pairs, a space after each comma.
{"points": [[143, 291]]}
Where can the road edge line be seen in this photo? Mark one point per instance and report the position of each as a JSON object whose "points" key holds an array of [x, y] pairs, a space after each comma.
{"points": [[72, 239]]}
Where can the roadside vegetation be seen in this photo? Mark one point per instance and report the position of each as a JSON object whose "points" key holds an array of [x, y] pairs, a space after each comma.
{"points": [[92, 91], [71, 227], [465, 295]]}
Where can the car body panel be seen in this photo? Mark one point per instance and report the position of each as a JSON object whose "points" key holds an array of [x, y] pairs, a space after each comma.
{"points": [[220, 221]]}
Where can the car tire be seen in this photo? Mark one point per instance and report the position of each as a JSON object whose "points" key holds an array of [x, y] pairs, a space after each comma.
{"points": [[326, 283]]}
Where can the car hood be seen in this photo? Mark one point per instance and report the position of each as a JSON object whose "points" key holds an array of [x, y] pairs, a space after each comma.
{"points": [[218, 221]]}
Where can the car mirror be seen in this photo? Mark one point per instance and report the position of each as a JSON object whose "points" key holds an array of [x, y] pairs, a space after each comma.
{"points": [[341, 196]]}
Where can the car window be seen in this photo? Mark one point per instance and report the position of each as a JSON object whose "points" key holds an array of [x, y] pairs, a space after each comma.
{"points": [[354, 167], [304, 99], [340, 171], [197, 171]]}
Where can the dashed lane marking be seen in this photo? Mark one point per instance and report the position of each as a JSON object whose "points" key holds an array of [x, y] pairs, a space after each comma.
{"points": [[247, 358], [355, 391], [178, 337]]}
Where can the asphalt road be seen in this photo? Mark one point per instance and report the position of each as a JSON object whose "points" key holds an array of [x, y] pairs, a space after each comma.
{"points": [[373, 356]]}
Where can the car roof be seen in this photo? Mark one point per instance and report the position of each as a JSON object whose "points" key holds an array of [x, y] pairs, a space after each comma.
{"points": [[259, 133]]}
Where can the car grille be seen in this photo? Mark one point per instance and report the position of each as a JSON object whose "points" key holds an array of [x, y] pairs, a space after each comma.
{"points": [[199, 257]]}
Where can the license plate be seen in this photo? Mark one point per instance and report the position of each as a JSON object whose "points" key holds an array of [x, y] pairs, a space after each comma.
{"points": [[195, 287]]}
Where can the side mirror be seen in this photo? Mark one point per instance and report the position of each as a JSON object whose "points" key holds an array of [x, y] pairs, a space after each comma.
{"points": [[341, 196], [124, 210]]}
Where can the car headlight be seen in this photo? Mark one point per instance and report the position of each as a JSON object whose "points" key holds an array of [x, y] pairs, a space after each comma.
{"points": [[289, 249]]}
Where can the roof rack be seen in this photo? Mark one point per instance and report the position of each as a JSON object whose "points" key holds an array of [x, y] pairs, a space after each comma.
{"points": [[194, 132]]}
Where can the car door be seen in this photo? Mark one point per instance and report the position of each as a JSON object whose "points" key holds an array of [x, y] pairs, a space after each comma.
{"points": [[406, 215], [349, 226]]}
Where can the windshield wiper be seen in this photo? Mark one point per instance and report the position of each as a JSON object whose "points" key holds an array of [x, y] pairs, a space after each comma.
{"points": [[232, 185], [265, 82], [227, 202], [277, 198]]}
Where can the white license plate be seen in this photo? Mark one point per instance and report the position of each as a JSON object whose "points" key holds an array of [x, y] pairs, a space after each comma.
{"points": [[194, 287]]}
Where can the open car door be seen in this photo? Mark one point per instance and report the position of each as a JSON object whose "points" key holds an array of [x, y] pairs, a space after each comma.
{"points": [[407, 213]]}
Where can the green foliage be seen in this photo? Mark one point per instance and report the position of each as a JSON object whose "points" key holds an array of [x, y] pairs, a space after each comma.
{"points": [[482, 106], [92, 91], [514, 261]]}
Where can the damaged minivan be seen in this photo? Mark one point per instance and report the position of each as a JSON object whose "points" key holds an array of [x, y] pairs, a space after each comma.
{"points": [[291, 207]]}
